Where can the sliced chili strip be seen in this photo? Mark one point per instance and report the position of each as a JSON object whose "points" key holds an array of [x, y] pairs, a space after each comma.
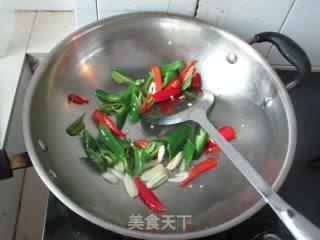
{"points": [[198, 169], [186, 69], [142, 143], [165, 95], [100, 117], [75, 98], [196, 81], [147, 103], [229, 134], [157, 76], [176, 83], [148, 197]]}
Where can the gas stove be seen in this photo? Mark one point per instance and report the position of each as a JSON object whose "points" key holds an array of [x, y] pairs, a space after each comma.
{"points": [[300, 189]]}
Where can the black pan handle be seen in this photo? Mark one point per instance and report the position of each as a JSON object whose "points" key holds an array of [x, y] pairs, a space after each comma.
{"points": [[9, 163], [291, 51]]}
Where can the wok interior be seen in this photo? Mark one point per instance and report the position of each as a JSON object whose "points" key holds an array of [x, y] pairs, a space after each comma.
{"points": [[82, 64]]}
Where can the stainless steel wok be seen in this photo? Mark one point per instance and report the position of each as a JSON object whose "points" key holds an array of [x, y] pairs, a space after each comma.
{"points": [[250, 96]]}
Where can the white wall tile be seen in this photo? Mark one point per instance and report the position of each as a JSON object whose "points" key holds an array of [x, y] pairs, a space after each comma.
{"points": [[85, 12], [246, 17], [302, 25], [46, 23], [52, 5], [186, 7], [130, 5], [105, 14], [10, 67], [107, 8], [84, 16]]}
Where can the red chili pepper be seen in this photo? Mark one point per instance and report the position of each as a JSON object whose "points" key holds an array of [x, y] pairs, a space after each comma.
{"points": [[196, 81], [141, 143], [100, 117], [229, 134], [147, 103], [176, 83], [72, 97], [168, 106], [166, 94], [156, 71], [198, 169], [186, 69], [148, 197]]}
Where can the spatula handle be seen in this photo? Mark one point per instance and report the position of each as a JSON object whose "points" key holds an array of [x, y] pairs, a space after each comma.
{"points": [[299, 226]]}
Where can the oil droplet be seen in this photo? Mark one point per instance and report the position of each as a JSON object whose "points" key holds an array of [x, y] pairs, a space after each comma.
{"points": [[201, 186], [126, 130], [242, 125], [232, 58], [152, 126], [169, 42], [189, 104], [190, 186]]}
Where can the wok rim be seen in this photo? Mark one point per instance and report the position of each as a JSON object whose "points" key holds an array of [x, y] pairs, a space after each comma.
{"points": [[292, 129]]}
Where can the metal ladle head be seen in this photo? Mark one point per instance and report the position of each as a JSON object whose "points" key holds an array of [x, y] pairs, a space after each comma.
{"points": [[184, 111]]}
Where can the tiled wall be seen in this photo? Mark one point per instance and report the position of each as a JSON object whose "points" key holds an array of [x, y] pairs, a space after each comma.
{"points": [[43, 5], [299, 19]]}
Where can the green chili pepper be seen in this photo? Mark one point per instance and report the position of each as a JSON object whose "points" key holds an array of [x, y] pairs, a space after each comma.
{"points": [[127, 165], [147, 83], [89, 141], [169, 75], [111, 107], [122, 113], [120, 77], [140, 158], [188, 152], [96, 159], [176, 65], [106, 154], [111, 142], [200, 141], [76, 127], [135, 104], [107, 97], [178, 137], [152, 148], [121, 116], [186, 84], [191, 93]]}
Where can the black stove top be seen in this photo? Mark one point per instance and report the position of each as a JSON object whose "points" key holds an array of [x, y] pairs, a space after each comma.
{"points": [[301, 188]]}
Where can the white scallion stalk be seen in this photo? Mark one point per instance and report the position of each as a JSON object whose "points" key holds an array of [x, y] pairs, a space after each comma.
{"points": [[179, 177], [150, 164], [149, 174], [117, 173], [161, 153], [182, 166], [157, 180], [130, 186], [119, 166], [108, 176], [175, 161]]}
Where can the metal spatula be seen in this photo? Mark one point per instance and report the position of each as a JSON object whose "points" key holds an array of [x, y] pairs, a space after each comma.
{"points": [[196, 111]]}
